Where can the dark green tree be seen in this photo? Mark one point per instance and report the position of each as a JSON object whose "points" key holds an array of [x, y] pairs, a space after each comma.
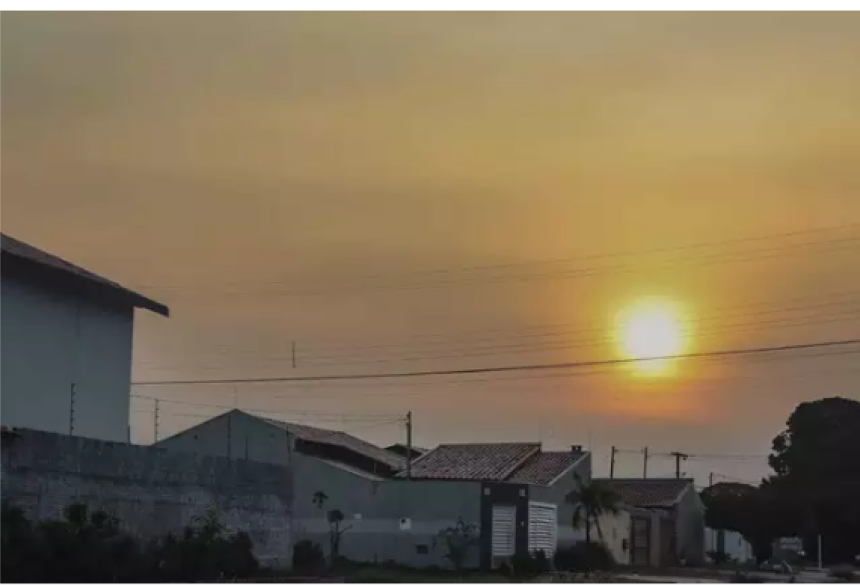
{"points": [[816, 461]]}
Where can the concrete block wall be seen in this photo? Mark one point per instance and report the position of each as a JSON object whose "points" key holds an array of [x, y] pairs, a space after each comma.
{"points": [[151, 491]]}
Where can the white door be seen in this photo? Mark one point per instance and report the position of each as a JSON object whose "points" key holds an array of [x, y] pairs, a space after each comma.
{"points": [[543, 527], [504, 531]]}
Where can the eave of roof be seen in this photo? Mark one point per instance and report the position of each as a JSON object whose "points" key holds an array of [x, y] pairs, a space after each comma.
{"points": [[651, 493], [16, 251]]}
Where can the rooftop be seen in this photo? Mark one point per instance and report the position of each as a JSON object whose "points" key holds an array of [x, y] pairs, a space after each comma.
{"points": [[339, 439], [645, 493], [20, 257], [508, 462]]}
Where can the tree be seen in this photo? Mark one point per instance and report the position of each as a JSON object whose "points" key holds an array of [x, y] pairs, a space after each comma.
{"points": [[591, 501], [816, 461], [758, 513], [458, 540], [336, 529]]}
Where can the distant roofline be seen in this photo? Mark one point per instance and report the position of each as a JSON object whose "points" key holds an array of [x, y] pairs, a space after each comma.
{"points": [[20, 257]]}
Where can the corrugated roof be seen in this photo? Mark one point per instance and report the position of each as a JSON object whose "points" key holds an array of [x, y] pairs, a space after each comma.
{"points": [[475, 461], [340, 439], [543, 467], [26, 252], [644, 493]]}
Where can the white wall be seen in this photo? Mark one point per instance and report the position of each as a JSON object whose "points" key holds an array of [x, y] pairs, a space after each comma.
{"points": [[49, 341], [730, 542]]}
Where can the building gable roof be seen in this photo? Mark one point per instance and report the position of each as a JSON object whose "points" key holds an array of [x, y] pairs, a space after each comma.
{"points": [[647, 493], [544, 467], [339, 439], [15, 250], [478, 461], [504, 462]]}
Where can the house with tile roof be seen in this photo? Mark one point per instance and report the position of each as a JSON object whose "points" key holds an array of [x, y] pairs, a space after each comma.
{"points": [[67, 345], [523, 487], [683, 522]]}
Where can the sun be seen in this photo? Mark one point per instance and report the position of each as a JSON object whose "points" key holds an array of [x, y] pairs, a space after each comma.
{"points": [[651, 329]]}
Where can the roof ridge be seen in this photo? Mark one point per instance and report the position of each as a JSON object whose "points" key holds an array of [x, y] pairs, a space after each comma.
{"points": [[518, 464], [529, 443]]}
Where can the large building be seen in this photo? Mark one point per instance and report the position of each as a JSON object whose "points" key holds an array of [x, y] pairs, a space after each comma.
{"points": [[66, 345]]}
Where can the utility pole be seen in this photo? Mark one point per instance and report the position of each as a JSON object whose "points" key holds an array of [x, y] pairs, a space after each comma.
{"points": [[72, 409], [229, 436], [409, 445], [645, 462], [711, 479], [294, 354], [678, 456], [155, 421], [612, 462]]}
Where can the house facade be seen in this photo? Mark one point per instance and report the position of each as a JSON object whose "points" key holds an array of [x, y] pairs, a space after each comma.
{"points": [[523, 493], [681, 519], [67, 345]]}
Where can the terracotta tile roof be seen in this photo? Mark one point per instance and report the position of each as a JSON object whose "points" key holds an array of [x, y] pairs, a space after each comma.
{"points": [[542, 468], [476, 461], [19, 250], [340, 439], [645, 493]]}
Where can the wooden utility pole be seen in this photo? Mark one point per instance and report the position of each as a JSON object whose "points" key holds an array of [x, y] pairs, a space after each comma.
{"points": [[711, 479], [155, 421], [409, 445], [612, 462], [645, 462], [229, 436], [294, 354], [72, 409], [678, 457]]}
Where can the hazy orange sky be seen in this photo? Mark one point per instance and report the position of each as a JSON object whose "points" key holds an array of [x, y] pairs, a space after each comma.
{"points": [[335, 180]]}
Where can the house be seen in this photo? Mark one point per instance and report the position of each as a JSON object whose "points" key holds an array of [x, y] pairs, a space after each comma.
{"points": [[67, 345], [682, 531], [523, 492], [508, 493], [347, 469]]}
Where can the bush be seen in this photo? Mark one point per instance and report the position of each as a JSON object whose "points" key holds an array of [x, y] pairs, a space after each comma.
{"points": [[719, 557], [529, 565], [582, 556], [844, 574], [308, 557], [91, 548]]}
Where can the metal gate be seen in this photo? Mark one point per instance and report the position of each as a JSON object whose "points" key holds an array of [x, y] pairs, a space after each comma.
{"points": [[504, 532], [543, 527]]}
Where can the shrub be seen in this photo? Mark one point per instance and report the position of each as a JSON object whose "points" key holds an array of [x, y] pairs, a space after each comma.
{"points": [[91, 548], [529, 565], [458, 540], [719, 557], [308, 557], [584, 556], [844, 574]]}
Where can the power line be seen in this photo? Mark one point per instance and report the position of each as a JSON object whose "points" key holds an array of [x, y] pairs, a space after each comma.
{"points": [[787, 304], [520, 348], [692, 262], [350, 416], [526, 367], [505, 266], [482, 350]]}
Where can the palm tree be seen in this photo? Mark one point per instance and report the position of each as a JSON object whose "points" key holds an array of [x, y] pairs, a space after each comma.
{"points": [[592, 500]]}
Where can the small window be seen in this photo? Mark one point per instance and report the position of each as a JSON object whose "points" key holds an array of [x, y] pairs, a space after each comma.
{"points": [[421, 549]]}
